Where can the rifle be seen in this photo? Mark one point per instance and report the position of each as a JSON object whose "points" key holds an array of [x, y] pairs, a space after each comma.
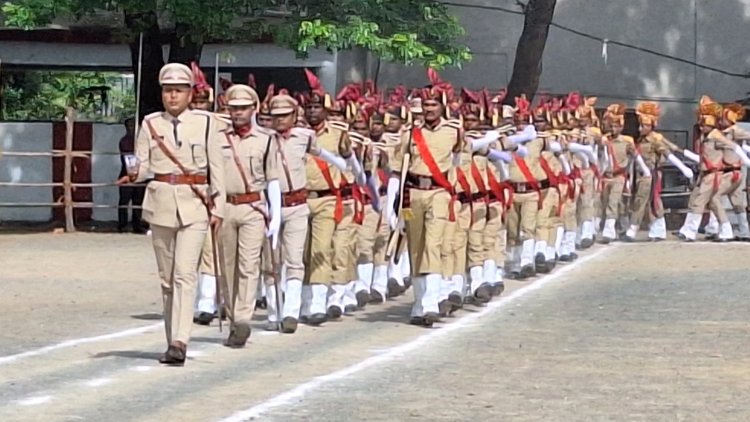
{"points": [[217, 252], [395, 242], [277, 279]]}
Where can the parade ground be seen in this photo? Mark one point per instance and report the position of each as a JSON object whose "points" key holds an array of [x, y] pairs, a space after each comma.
{"points": [[637, 332]]}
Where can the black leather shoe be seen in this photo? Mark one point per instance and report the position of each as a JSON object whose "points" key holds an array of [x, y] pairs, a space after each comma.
{"points": [[175, 354], [394, 289], [288, 325], [376, 298], [483, 294], [497, 288], [407, 283], [362, 298], [238, 335], [456, 301], [586, 243], [333, 312], [317, 319], [566, 258], [526, 272], [417, 320], [350, 309], [261, 303], [431, 318], [204, 318], [444, 307]]}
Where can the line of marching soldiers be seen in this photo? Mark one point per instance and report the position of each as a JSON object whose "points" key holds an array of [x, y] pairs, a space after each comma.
{"points": [[329, 204]]}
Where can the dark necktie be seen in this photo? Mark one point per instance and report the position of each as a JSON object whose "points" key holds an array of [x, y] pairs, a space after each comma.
{"points": [[176, 122]]}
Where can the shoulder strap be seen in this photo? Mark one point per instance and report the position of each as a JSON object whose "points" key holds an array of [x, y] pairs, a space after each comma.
{"points": [[284, 165], [160, 143], [238, 162], [424, 153]]}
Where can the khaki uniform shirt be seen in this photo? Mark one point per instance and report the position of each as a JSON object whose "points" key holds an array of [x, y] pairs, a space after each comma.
{"points": [[252, 159], [712, 151], [292, 151], [334, 140], [653, 149], [619, 149], [479, 161], [531, 159], [736, 134], [194, 141], [442, 141]]}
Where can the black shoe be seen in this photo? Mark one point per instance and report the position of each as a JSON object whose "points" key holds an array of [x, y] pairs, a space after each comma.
{"points": [[417, 320], [376, 298], [574, 256], [139, 230], [121, 229], [350, 309], [333, 312], [261, 303], [586, 243], [175, 354], [407, 283], [444, 307], [526, 272], [317, 319], [362, 298], [204, 318], [238, 335], [288, 325], [431, 318], [394, 289], [566, 258], [720, 240], [497, 288], [551, 265], [712, 236], [456, 302], [605, 240], [483, 294]]}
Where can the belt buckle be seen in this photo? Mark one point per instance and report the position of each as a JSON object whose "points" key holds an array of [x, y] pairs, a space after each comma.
{"points": [[407, 214], [521, 188], [424, 183], [313, 195]]}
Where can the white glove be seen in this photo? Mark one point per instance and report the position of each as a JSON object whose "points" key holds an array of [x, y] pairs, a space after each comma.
{"points": [[579, 149], [497, 155], [394, 185], [739, 151], [554, 146], [359, 174], [645, 171], [503, 169], [522, 151], [690, 155], [490, 137], [274, 202], [526, 135], [565, 164], [746, 148], [680, 165], [332, 159]]}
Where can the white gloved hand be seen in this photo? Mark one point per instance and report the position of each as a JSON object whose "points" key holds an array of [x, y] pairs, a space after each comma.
{"points": [[274, 202], [522, 151], [739, 151], [497, 155], [332, 159], [394, 185], [526, 135], [579, 149], [555, 146], [685, 170], [565, 164], [690, 155], [359, 174], [645, 171], [488, 138]]}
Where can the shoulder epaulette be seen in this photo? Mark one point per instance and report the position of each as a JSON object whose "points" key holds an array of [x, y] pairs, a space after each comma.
{"points": [[152, 115], [356, 137], [339, 125], [454, 123]]}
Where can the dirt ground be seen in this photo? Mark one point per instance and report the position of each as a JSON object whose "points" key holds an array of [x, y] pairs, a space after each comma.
{"points": [[631, 332]]}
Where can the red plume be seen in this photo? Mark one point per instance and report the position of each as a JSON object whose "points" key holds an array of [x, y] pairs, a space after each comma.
{"points": [[251, 81], [573, 101], [269, 93], [199, 77], [312, 80], [469, 96], [434, 77], [522, 105]]}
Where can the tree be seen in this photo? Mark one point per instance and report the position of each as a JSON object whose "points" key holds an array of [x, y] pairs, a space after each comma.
{"points": [[527, 68], [406, 31]]}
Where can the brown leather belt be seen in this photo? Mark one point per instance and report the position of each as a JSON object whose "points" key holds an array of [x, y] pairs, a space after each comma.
{"points": [[527, 187], [243, 198], [416, 181], [181, 179], [346, 193], [465, 198], [294, 198]]}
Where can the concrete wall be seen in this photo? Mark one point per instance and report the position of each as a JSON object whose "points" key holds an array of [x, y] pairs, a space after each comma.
{"points": [[711, 32], [25, 137], [37, 137]]}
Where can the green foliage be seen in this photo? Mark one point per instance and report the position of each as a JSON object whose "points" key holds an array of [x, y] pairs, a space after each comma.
{"points": [[44, 95], [405, 31]]}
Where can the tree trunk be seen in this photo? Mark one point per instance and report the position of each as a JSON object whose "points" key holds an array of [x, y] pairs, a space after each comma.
{"points": [[182, 47], [527, 68], [152, 58]]}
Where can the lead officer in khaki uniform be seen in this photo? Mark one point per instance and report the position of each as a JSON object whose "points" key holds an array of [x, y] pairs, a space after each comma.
{"points": [[251, 166], [182, 149]]}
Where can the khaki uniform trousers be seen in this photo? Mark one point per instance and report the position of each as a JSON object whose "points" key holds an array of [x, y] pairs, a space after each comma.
{"points": [[372, 237], [545, 218], [612, 196], [325, 241], [425, 230], [243, 234], [494, 238], [731, 185], [522, 217], [570, 205], [705, 195], [585, 207], [291, 248], [469, 237], [178, 251], [345, 255], [207, 257], [642, 202]]}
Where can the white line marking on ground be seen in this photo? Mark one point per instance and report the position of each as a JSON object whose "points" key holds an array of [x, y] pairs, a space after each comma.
{"points": [[4, 360], [141, 368], [393, 353], [32, 401], [98, 382]]}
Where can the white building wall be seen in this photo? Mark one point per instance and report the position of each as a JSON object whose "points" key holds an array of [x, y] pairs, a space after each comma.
{"points": [[105, 168]]}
